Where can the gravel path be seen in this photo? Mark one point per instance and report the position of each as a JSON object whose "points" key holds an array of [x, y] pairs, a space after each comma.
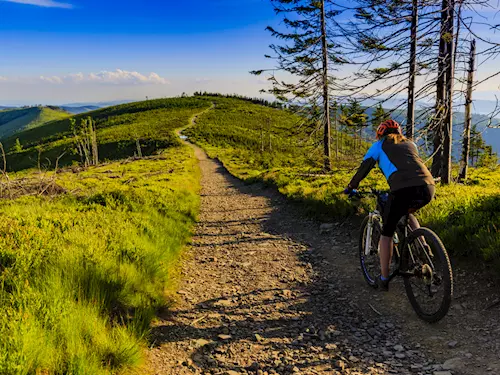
{"points": [[258, 297]]}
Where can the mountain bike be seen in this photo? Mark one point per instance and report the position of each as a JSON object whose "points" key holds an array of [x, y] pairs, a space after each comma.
{"points": [[419, 257]]}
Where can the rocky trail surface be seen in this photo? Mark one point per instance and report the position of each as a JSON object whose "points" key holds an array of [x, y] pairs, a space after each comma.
{"points": [[265, 291]]}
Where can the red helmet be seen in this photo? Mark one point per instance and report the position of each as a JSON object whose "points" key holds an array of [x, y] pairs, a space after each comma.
{"points": [[388, 127]]}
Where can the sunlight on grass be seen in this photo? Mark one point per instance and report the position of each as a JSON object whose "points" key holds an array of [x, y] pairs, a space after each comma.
{"points": [[84, 273], [467, 217]]}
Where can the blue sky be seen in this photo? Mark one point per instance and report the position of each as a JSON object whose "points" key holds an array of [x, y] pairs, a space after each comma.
{"points": [[190, 45], [60, 51]]}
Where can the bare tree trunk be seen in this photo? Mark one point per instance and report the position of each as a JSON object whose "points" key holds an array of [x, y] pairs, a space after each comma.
{"points": [[269, 133], [468, 114], [437, 161], [341, 136], [336, 124], [95, 150], [450, 76], [262, 138], [326, 98], [38, 161], [139, 150], [410, 124]]}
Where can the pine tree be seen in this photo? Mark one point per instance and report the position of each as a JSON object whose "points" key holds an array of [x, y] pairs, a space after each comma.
{"points": [[307, 53], [354, 119], [477, 145]]}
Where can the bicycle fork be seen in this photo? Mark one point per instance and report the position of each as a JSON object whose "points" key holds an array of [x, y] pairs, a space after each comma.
{"points": [[369, 232]]}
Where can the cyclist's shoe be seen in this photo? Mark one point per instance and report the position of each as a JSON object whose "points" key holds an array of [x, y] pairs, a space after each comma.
{"points": [[382, 285]]}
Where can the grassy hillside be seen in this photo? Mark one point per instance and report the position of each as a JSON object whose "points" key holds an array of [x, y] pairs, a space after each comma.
{"points": [[266, 138], [16, 120], [232, 133], [84, 271], [118, 130]]}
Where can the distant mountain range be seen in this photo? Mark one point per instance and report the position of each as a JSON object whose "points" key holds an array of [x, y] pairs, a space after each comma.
{"points": [[491, 134], [80, 109], [14, 120], [74, 108], [479, 106], [97, 104]]}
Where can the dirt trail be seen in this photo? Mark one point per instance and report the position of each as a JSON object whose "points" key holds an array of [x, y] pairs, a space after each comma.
{"points": [[263, 292]]}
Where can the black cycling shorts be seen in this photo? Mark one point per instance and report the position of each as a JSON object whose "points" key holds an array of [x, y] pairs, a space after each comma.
{"points": [[400, 203]]}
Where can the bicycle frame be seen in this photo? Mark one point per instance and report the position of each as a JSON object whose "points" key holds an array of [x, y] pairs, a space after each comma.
{"points": [[407, 248], [404, 248], [375, 215]]}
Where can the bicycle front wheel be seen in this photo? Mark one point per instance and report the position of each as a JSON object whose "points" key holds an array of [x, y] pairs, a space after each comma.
{"points": [[428, 275], [369, 258]]}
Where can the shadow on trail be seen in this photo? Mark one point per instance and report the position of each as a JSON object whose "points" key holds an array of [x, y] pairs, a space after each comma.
{"points": [[307, 326]]}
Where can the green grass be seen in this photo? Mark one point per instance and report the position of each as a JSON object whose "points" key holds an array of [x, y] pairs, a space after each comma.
{"points": [[16, 120], [84, 273], [118, 128], [263, 138], [465, 216]]}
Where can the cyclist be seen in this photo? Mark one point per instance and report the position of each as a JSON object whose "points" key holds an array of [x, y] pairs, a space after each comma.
{"points": [[410, 182]]}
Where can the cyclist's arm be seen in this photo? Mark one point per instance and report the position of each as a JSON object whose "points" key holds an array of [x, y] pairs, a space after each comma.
{"points": [[369, 162]]}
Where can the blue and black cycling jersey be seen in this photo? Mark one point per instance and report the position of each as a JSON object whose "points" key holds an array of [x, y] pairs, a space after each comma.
{"points": [[399, 162]]}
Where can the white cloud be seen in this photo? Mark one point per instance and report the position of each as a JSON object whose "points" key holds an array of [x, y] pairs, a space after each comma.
{"points": [[117, 77], [124, 77], [42, 3], [53, 79], [76, 78]]}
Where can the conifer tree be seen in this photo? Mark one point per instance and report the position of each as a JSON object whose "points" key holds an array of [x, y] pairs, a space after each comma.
{"points": [[307, 53]]}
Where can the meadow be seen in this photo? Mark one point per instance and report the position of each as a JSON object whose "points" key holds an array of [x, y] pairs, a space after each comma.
{"points": [[84, 272], [466, 216], [118, 129], [85, 269]]}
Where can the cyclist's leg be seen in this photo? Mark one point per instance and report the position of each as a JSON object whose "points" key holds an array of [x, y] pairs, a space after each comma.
{"points": [[423, 196], [386, 246], [394, 210]]}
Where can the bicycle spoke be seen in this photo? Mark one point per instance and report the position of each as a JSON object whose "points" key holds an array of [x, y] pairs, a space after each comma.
{"points": [[422, 289]]}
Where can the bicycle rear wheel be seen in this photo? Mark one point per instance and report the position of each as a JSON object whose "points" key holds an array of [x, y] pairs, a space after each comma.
{"points": [[430, 286], [370, 260]]}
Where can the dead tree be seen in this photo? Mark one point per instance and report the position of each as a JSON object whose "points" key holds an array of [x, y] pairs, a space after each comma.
{"points": [[468, 114], [450, 77], [410, 124]]}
